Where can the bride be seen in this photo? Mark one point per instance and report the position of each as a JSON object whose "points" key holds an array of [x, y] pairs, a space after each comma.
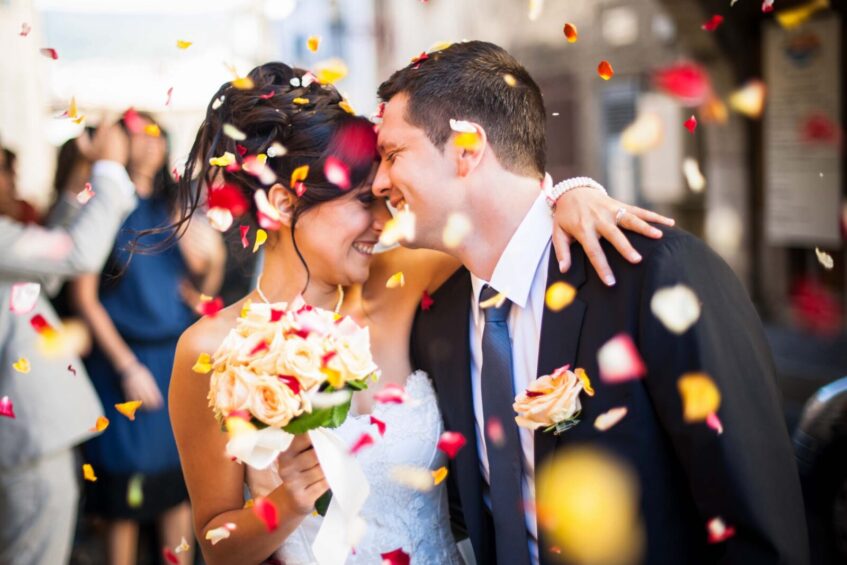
{"points": [[325, 241]]}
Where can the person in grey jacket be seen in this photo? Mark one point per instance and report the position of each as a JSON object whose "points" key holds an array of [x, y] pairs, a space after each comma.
{"points": [[51, 407]]}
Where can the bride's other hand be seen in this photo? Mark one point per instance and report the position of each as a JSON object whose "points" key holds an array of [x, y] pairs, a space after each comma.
{"points": [[586, 214], [303, 479]]}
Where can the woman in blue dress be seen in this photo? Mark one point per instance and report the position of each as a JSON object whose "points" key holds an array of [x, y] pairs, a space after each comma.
{"points": [[136, 311]]}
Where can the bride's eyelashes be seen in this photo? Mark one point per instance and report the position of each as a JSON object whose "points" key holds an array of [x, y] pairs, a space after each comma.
{"points": [[367, 197]]}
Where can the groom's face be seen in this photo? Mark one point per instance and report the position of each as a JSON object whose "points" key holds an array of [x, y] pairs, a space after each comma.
{"points": [[416, 173]]}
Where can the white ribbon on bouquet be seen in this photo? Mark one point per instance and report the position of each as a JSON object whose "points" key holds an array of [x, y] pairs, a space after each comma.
{"points": [[342, 527]]}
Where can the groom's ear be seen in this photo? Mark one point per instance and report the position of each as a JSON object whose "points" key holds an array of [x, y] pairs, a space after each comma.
{"points": [[284, 202], [468, 147]]}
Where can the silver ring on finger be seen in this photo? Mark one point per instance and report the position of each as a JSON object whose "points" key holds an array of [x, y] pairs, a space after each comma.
{"points": [[619, 216]]}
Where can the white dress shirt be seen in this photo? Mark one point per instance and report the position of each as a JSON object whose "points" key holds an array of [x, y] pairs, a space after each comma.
{"points": [[520, 274]]}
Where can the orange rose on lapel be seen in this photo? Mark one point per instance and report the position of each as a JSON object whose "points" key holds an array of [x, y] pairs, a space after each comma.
{"points": [[552, 401]]}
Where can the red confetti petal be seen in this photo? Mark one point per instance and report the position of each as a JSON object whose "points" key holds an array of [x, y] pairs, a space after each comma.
{"points": [[133, 121], [396, 557], [494, 431], [49, 52], [39, 324], [767, 6], [25, 29], [391, 394], [380, 110], [422, 57], [688, 82], [714, 422], [291, 382], [230, 198], [300, 188], [337, 172], [364, 440], [380, 425], [691, 124], [713, 23], [451, 442], [7, 408], [265, 510], [241, 149], [72, 370], [211, 307], [170, 556], [244, 230], [267, 95], [570, 33], [176, 174], [718, 531], [261, 346], [426, 301], [170, 94], [605, 70], [619, 360], [276, 315]]}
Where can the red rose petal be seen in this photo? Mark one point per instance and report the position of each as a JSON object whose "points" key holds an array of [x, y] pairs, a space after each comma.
{"points": [[380, 425], [291, 382], [7, 408], [604, 69], [713, 23], [25, 29], [714, 422], [241, 149], [688, 82], [451, 442], [494, 431], [211, 307], [276, 315], [39, 324], [261, 346], [230, 198], [170, 556], [267, 95], [391, 394], [133, 121], [718, 531], [426, 301], [619, 360], [49, 52], [364, 440], [244, 230], [396, 557], [265, 510], [767, 6], [691, 124]]}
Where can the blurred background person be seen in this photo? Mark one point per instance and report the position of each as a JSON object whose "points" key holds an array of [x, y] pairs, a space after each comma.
{"points": [[136, 312], [10, 204], [47, 403]]}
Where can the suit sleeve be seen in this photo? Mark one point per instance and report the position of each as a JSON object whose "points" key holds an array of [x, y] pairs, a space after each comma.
{"points": [[747, 475]]}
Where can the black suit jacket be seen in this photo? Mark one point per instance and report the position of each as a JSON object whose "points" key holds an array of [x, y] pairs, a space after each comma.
{"points": [[688, 474]]}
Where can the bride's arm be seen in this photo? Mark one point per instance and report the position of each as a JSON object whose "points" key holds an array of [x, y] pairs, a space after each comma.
{"points": [[215, 483]]}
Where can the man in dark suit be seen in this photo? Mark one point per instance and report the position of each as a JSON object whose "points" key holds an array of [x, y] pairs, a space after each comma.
{"points": [[487, 167]]}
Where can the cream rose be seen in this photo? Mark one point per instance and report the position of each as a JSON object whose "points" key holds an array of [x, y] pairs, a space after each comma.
{"points": [[273, 403], [303, 359], [354, 354], [551, 399], [229, 391]]}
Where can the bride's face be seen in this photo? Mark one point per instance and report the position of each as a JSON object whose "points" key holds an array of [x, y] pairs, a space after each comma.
{"points": [[337, 238]]}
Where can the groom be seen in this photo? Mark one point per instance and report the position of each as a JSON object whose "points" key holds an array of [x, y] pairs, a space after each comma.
{"points": [[479, 359]]}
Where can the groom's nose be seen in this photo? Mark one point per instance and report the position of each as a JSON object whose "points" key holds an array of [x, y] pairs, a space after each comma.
{"points": [[382, 184]]}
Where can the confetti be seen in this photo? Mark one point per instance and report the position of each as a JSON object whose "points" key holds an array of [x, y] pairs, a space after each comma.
{"points": [[570, 33], [713, 23], [400, 227], [210, 306], [391, 394], [233, 132], [183, 44], [219, 218], [364, 441], [298, 176], [396, 557], [25, 29], [397, 280], [170, 94], [714, 422], [88, 473], [72, 370], [258, 167], [182, 547], [242, 83], [217, 534], [414, 478], [85, 195], [494, 302], [134, 491], [217, 102], [691, 170], [825, 259], [458, 227], [494, 432], [344, 105], [101, 424], [767, 6], [691, 124], [689, 83], [619, 360], [244, 230], [462, 126], [605, 70], [152, 130], [380, 425], [535, 7], [170, 556], [203, 364], [128, 408], [677, 307], [426, 301], [313, 43], [468, 141], [700, 396], [223, 161], [451, 442], [559, 296], [49, 52], [7, 407], [73, 113], [718, 531], [23, 297], [510, 79], [265, 510], [331, 71], [337, 172], [642, 135], [439, 475], [609, 418], [749, 100], [261, 238], [586, 382], [230, 198], [793, 17], [22, 365], [276, 150]]}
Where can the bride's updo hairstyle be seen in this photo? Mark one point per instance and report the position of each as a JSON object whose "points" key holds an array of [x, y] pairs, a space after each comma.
{"points": [[312, 123]]}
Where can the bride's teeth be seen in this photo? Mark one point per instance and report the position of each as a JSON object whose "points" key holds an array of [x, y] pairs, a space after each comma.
{"points": [[364, 248]]}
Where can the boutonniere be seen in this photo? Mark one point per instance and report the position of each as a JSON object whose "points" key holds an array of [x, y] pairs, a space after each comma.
{"points": [[552, 401]]}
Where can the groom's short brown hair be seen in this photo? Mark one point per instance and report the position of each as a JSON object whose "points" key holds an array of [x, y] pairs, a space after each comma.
{"points": [[479, 82]]}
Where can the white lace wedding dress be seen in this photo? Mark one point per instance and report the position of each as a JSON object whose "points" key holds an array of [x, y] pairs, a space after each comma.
{"points": [[397, 517]]}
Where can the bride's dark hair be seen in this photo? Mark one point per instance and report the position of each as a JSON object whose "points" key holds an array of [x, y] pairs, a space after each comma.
{"points": [[311, 122]]}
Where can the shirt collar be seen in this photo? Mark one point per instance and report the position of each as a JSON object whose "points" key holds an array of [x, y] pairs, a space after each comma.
{"points": [[515, 271]]}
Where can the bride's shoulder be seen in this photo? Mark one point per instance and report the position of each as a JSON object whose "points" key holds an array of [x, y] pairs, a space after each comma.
{"points": [[206, 334]]}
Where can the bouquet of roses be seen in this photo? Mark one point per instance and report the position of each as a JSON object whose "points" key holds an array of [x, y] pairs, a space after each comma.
{"points": [[288, 369]]}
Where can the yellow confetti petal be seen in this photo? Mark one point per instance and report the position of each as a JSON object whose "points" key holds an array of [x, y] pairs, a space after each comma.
{"points": [[439, 475], [299, 174], [223, 161], [609, 418], [313, 43], [134, 492], [331, 71], [344, 105], [559, 296], [700, 396], [825, 259], [182, 547], [22, 365], [72, 109], [261, 238], [794, 17], [183, 44], [101, 424], [300, 101], [333, 377], [203, 364], [396, 280], [467, 140], [248, 503], [510, 79], [749, 99], [237, 425], [494, 302], [245, 308], [242, 83], [128, 408], [88, 473], [586, 382], [152, 130]]}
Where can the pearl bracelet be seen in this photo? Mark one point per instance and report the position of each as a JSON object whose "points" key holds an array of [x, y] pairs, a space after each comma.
{"points": [[554, 193]]}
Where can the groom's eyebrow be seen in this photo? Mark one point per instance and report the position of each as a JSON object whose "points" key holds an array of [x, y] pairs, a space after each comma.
{"points": [[385, 147]]}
